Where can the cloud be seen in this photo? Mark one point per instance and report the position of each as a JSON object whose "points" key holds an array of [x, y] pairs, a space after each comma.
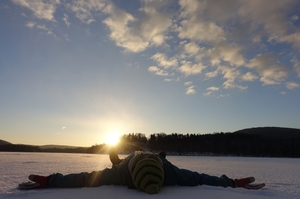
{"points": [[188, 68], [190, 90], [242, 88], [191, 48], [30, 24], [230, 74], [193, 26], [41, 9], [154, 21], [294, 39], [230, 53], [165, 62], [294, 18], [40, 27], [136, 34], [296, 64], [158, 71], [211, 74], [83, 9], [121, 33], [172, 79], [208, 93], [213, 88], [187, 83], [249, 76], [271, 19], [46, 29], [201, 31], [292, 85], [66, 20], [270, 70]]}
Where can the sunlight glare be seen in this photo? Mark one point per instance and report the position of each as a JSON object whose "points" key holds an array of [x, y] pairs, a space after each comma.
{"points": [[112, 138]]}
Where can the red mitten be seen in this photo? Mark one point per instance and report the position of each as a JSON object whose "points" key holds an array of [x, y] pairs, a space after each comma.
{"points": [[244, 181], [42, 180]]}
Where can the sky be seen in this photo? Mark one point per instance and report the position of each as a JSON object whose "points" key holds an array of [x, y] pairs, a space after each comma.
{"points": [[73, 71]]}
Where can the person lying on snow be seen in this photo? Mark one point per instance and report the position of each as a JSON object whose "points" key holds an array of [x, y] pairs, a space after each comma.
{"points": [[140, 170]]}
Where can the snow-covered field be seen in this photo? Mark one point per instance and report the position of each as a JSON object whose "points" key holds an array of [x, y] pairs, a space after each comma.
{"points": [[282, 176]]}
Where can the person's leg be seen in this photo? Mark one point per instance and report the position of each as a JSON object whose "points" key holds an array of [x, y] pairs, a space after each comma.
{"points": [[205, 179], [184, 177]]}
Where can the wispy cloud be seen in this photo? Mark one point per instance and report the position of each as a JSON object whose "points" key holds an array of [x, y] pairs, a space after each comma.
{"points": [[210, 90], [165, 62], [30, 24], [191, 90], [121, 33], [84, 9], [249, 76], [213, 88], [188, 83], [269, 69], [158, 71], [194, 27], [41, 9], [66, 20], [292, 85], [136, 34], [188, 68], [46, 29], [296, 64]]}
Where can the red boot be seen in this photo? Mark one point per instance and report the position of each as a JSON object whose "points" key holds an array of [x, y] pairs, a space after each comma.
{"points": [[244, 181]]}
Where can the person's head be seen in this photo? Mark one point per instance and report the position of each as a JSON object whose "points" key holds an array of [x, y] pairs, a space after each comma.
{"points": [[148, 175]]}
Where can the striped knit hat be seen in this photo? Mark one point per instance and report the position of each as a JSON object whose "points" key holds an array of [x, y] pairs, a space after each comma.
{"points": [[148, 175]]}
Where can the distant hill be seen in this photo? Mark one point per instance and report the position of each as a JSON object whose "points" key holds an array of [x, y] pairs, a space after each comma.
{"points": [[52, 146], [272, 132], [7, 146], [3, 142]]}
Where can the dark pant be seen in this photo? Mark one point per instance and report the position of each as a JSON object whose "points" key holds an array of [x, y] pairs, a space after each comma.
{"points": [[184, 177]]}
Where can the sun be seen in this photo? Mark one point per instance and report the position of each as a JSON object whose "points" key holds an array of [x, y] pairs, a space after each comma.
{"points": [[112, 138]]}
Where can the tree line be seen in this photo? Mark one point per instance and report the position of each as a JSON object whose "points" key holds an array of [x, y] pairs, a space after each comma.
{"points": [[221, 144]]}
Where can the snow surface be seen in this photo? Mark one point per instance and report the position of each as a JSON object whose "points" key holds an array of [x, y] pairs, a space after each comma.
{"points": [[280, 174]]}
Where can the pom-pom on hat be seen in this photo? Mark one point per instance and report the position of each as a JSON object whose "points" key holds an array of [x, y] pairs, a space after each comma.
{"points": [[148, 175]]}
